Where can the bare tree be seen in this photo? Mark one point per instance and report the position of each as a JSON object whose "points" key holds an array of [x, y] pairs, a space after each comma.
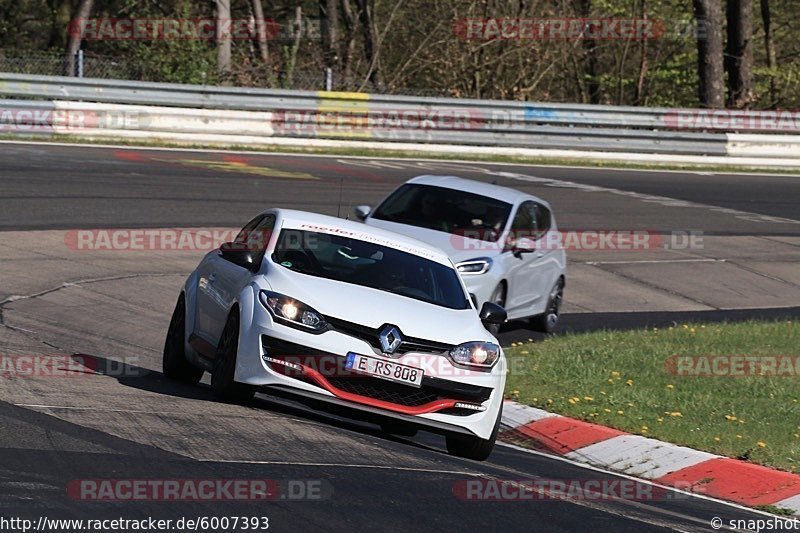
{"points": [[711, 90], [371, 47], [291, 55], [349, 42], [769, 45], [261, 30], [223, 15], [330, 30], [590, 57], [739, 53], [639, 95], [76, 36]]}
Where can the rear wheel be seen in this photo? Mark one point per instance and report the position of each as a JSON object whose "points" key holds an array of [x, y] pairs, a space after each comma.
{"points": [[174, 364], [222, 375], [547, 322], [498, 297], [474, 448]]}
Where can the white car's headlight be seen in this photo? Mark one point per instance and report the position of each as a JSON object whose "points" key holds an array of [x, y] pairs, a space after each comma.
{"points": [[479, 265], [294, 313], [476, 354]]}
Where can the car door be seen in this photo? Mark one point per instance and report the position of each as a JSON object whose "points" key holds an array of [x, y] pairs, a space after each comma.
{"points": [[551, 254], [526, 262], [220, 281]]}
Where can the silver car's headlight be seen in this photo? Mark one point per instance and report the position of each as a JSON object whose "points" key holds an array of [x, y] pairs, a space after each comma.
{"points": [[291, 312], [479, 265], [476, 354]]}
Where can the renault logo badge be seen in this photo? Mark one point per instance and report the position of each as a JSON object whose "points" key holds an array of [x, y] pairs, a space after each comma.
{"points": [[390, 338]]}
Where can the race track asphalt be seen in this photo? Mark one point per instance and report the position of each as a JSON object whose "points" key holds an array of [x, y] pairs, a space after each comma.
{"points": [[137, 425]]}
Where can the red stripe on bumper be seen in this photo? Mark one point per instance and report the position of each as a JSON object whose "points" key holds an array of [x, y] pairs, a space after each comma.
{"points": [[430, 407]]}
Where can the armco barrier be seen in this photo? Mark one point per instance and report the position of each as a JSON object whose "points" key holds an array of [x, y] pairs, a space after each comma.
{"points": [[113, 108]]}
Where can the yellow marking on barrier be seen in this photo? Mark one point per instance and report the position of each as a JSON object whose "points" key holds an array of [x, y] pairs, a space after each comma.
{"points": [[348, 134], [354, 108], [342, 95]]}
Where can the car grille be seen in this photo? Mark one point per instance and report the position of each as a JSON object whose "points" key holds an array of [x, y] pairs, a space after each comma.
{"points": [[370, 335]]}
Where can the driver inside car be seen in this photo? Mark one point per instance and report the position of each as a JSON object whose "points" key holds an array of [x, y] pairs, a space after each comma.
{"points": [[429, 211]]}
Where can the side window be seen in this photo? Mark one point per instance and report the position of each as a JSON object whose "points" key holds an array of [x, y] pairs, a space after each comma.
{"points": [[524, 225], [241, 237], [258, 239], [544, 220], [255, 238]]}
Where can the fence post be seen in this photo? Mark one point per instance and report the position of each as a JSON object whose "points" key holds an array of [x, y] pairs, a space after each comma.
{"points": [[80, 63], [328, 79]]}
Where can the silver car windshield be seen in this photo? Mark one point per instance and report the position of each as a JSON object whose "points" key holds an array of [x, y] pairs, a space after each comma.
{"points": [[448, 210]]}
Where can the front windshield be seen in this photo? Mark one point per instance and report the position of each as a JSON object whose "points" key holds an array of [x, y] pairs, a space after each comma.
{"points": [[349, 260], [448, 210]]}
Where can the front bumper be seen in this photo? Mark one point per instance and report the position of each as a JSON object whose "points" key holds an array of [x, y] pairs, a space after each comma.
{"points": [[327, 371], [276, 356]]}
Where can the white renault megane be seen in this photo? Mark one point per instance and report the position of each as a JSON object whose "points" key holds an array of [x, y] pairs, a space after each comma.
{"points": [[353, 316]]}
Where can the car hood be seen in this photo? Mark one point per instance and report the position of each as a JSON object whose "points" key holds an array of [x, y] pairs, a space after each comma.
{"points": [[374, 308], [456, 247]]}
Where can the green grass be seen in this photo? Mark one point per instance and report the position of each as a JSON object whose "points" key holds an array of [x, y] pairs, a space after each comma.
{"points": [[619, 379], [775, 510], [401, 154]]}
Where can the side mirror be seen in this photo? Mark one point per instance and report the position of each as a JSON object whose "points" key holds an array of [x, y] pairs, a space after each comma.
{"points": [[362, 211], [523, 246], [238, 254], [491, 313]]}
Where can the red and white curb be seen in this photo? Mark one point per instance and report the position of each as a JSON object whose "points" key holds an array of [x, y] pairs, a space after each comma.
{"points": [[661, 462]]}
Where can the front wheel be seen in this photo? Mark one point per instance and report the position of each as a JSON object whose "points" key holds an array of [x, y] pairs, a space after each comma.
{"points": [[474, 448], [174, 364], [222, 382], [547, 322]]}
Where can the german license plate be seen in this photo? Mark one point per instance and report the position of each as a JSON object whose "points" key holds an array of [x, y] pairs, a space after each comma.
{"points": [[381, 368]]}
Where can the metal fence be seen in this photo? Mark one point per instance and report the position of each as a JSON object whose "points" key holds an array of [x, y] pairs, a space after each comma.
{"points": [[243, 74], [90, 66], [264, 116]]}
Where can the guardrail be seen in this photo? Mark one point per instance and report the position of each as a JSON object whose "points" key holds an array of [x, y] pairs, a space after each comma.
{"points": [[114, 108]]}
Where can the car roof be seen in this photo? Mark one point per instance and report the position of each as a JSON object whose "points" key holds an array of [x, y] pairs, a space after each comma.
{"points": [[359, 228], [505, 194]]}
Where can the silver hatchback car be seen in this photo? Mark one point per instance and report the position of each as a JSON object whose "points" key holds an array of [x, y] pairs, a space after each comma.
{"points": [[503, 242]]}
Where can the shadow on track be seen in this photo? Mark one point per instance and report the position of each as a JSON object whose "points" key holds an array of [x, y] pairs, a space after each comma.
{"points": [[275, 402]]}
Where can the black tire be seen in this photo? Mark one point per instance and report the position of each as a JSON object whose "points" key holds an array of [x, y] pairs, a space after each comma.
{"points": [[498, 297], [401, 429], [474, 448], [547, 322], [174, 364], [222, 383]]}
